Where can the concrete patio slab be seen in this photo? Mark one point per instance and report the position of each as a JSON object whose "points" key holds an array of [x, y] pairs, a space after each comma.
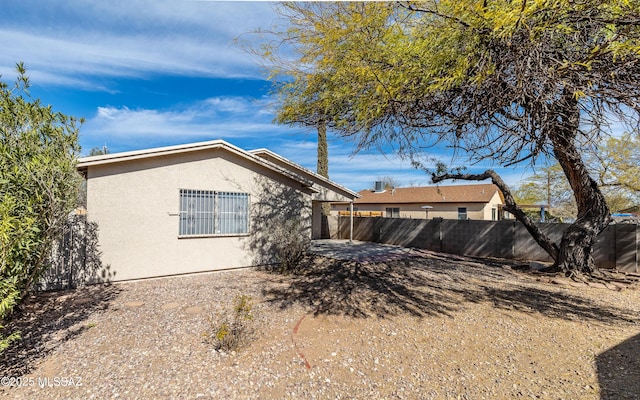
{"points": [[358, 251]]}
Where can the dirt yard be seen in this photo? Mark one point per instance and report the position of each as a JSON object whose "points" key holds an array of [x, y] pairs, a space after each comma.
{"points": [[418, 326]]}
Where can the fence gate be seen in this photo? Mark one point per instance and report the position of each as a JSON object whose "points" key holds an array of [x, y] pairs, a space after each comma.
{"points": [[68, 256]]}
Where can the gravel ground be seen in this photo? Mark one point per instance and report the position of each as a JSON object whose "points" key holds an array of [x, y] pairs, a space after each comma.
{"points": [[424, 326]]}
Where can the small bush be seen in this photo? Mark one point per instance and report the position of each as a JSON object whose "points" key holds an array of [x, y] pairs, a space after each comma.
{"points": [[291, 242], [233, 329]]}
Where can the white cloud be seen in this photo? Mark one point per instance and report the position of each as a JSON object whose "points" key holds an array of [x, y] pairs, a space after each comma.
{"points": [[132, 39], [229, 118], [231, 104], [123, 123], [124, 56]]}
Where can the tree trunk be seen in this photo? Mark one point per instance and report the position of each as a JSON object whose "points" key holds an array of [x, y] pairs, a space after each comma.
{"points": [[323, 151], [576, 248], [323, 160], [575, 253]]}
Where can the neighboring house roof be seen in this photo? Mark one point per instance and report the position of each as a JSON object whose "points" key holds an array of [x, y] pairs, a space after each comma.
{"points": [[285, 167], [479, 193]]}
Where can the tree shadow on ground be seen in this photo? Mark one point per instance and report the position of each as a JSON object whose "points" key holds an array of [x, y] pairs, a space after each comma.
{"points": [[47, 320], [361, 290], [619, 370], [426, 286], [555, 304]]}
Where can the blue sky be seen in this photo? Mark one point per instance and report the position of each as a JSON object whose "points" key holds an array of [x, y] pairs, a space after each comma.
{"points": [[155, 73]]}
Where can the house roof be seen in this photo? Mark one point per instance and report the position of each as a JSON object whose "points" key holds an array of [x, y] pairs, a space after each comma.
{"points": [[278, 159], [478, 193], [286, 167]]}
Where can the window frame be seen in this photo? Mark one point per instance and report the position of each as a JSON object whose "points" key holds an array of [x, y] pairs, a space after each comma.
{"points": [[392, 212], [463, 215], [213, 213]]}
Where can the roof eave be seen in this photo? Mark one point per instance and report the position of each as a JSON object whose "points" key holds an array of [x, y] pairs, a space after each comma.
{"points": [[86, 162], [325, 180]]}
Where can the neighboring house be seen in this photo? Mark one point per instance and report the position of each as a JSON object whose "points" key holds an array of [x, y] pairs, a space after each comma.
{"points": [[198, 207], [479, 202]]}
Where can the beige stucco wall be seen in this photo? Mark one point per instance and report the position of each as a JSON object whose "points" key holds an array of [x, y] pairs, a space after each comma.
{"points": [[136, 205]]}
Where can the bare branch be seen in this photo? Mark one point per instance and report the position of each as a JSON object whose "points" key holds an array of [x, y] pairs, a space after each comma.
{"points": [[543, 240]]}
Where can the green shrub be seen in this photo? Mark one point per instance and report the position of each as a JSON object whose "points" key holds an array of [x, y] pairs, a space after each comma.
{"points": [[291, 244], [38, 188], [9, 296], [233, 328]]}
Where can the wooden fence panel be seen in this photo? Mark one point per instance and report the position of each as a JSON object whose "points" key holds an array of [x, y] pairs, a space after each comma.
{"points": [[617, 247]]}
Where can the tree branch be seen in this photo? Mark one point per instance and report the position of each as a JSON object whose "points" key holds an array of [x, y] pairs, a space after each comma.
{"points": [[411, 6], [510, 205]]}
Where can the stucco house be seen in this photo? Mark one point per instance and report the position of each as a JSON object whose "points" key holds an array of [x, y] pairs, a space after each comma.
{"points": [[197, 207], [476, 201]]}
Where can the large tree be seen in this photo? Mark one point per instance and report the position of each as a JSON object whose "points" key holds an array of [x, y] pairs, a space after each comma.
{"points": [[308, 116], [38, 188], [548, 185], [616, 164], [510, 81]]}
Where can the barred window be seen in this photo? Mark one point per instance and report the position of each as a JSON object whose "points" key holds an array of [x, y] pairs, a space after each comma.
{"points": [[233, 213], [207, 212]]}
